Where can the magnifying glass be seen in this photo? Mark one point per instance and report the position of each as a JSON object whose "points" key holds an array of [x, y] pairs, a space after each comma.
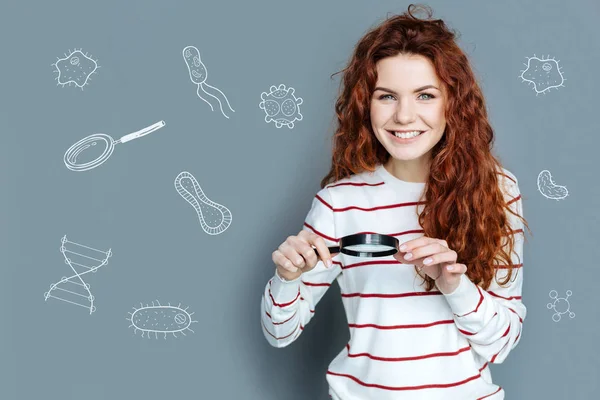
{"points": [[366, 245], [74, 151]]}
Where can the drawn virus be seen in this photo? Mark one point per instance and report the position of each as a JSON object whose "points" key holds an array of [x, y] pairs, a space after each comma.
{"points": [[214, 218], [82, 260], [281, 106], [155, 319], [543, 74], [75, 68], [560, 305], [548, 188]]}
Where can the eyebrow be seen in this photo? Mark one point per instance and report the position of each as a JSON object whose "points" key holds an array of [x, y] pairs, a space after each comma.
{"points": [[415, 91]]}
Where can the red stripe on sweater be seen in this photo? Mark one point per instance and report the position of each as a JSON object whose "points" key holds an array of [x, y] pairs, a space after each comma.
{"points": [[408, 326], [397, 388], [392, 295], [491, 394], [275, 337], [396, 359], [280, 323], [356, 184], [476, 307]]}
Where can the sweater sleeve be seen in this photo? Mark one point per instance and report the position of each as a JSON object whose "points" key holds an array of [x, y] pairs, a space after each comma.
{"points": [[492, 319], [288, 306]]}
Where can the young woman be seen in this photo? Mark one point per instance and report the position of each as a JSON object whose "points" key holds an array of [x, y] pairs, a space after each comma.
{"points": [[411, 159]]}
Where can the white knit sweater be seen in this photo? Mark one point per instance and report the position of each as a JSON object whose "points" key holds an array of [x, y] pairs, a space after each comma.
{"points": [[405, 343]]}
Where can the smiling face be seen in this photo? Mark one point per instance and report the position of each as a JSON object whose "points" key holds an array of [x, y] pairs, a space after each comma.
{"points": [[408, 96]]}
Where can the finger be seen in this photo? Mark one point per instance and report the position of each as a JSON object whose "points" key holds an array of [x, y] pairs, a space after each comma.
{"points": [[446, 257], [455, 269], [283, 261], [409, 245], [291, 254], [305, 250], [425, 251], [322, 249]]}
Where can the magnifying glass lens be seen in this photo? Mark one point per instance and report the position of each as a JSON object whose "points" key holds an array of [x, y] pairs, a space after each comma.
{"points": [[369, 248]]}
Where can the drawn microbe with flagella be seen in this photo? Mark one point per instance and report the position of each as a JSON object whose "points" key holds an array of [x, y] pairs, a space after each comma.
{"points": [[198, 75], [281, 106], [82, 260], [560, 305], [543, 74], [75, 68], [214, 218], [548, 188], [156, 318]]}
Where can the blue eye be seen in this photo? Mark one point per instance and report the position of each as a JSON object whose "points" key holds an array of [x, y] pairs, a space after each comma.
{"points": [[430, 95]]}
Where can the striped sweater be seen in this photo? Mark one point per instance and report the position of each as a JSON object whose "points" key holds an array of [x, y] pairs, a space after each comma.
{"points": [[405, 343]]}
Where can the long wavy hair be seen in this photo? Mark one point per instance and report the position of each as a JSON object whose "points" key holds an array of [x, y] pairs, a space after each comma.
{"points": [[464, 203]]}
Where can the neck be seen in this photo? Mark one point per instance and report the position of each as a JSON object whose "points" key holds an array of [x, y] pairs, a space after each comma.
{"points": [[415, 171]]}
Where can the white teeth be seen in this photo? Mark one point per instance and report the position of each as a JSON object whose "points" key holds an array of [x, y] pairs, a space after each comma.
{"points": [[407, 135]]}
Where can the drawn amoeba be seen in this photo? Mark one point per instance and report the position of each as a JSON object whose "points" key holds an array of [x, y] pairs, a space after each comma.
{"points": [[281, 106], [560, 305], [161, 319], [75, 68], [543, 73], [548, 188]]}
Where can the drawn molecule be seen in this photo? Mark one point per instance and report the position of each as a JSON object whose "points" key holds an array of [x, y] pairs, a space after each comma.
{"points": [[75, 68], [543, 74], [560, 305], [214, 218], [156, 318], [548, 188], [82, 260], [281, 106], [198, 75]]}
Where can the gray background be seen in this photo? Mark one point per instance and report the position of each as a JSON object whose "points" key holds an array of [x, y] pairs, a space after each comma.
{"points": [[267, 177]]}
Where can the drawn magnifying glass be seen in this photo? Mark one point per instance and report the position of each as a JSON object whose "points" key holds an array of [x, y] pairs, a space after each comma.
{"points": [[74, 151], [366, 245]]}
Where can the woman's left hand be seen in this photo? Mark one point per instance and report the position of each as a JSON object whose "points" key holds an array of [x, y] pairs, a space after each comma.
{"points": [[435, 259]]}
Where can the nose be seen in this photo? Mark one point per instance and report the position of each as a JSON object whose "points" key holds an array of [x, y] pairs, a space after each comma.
{"points": [[405, 112]]}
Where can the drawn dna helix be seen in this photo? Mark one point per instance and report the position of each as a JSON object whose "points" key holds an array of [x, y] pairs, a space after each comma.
{"points": [[73, 289]]}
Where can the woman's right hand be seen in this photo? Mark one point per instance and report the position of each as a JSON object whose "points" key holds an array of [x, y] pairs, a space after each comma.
{"points": [[296, 255]]}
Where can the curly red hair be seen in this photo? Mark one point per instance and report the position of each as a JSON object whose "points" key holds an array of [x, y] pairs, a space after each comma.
{"points": [[465, 205]]}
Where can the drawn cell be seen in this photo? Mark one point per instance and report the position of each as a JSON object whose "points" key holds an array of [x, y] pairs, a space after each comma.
{"points": [[214, 218], [198, 74], [543, 74], [75, 68], [548, 188], [560, 305], [281, 106], [82, 260], [156, 318]]}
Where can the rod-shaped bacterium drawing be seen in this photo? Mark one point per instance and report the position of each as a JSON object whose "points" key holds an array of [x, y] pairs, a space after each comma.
{"points": [[198, 75], [75, 68], [156, 318], [548, 188], [281, 106], [214, 218], [82, 260], [543, 74], [560, 305]]}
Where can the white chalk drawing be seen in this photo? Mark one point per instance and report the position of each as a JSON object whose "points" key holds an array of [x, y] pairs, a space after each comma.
{"points": [[75, 68], [560, 305], [548, 188], [156, 318], [543, 74], [214, 218], [73, 289], [107, 144], [281, 106], [198, 75]]}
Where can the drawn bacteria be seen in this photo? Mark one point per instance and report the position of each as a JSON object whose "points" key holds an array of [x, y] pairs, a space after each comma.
{"points": [[75, 68], [214, 218], [548, 188], [560, 305], [543, 74], [156, 318], [281, 106], [198, 75]]}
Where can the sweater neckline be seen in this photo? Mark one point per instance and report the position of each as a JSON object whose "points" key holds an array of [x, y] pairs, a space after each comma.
{"points": [[392, 180]]}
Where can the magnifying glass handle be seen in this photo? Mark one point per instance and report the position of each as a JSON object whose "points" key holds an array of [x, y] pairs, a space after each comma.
{"points": [[142, 132], [332, 250]]}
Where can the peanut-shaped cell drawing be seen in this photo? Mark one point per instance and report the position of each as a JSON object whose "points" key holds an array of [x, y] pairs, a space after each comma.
{"points": [[214, 218], [548, 188], [156, 318], [543, 74], [75, 68], [198, 74]]}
